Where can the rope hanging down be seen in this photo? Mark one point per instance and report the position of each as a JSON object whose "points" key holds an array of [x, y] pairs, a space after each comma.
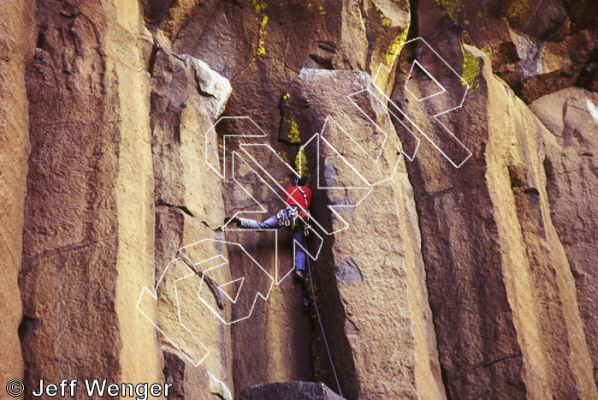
{"points": [[340, 392]]}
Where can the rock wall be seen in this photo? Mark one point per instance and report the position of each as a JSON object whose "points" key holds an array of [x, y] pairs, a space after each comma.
{"points": [[380, 277], [454, 238], [17, 39], [186, 99], [489, 224], [570, 144], [89, 226]]}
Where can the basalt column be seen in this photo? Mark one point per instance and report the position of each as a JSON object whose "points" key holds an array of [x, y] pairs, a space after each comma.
{"points": [[89, 215]]}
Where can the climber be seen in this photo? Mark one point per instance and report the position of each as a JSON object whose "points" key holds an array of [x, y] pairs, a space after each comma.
{"points": [[294, 216]]}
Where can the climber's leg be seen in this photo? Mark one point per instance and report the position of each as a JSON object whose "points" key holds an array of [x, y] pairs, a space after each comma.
{"points": [[300, 254], [270, 223]]}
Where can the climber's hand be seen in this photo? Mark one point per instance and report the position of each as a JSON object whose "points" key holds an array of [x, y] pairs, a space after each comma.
{"points": [[232, 220]]}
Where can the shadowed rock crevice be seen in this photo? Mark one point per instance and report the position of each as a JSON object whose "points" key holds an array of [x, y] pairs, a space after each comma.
{"points": [[182, 208], [436, 327], [174, 371], [334, 347]]}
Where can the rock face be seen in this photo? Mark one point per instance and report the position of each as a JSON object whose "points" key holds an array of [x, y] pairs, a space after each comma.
{"points": [[571, 119], [89, 214], [186, 99], [497, 202], [454, 237], [537, 46], [380, 278]]}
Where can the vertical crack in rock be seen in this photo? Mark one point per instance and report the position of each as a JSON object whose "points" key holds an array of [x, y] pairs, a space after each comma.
{"points": [[174, 372], [214, 289], [423, 239]]}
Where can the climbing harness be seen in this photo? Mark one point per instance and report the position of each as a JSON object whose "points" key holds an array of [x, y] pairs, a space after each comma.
{"points": [[288, 216], [340, 392]]}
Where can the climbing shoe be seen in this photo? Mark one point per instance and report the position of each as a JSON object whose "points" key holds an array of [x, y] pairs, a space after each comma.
{"points": [[306, 302], [232, 220], [299, 275]]}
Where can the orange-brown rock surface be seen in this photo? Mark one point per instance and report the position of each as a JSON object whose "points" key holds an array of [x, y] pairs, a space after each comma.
{"points": [[450, 145]]}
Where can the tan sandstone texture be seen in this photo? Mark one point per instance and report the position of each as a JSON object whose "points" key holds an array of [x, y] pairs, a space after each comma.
{"points": [[450, 147]]}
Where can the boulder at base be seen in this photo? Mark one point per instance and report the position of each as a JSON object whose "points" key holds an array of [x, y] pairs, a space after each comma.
{"points": [[289, 391]]}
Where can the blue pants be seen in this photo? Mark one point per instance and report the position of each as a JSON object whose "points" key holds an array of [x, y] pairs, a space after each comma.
{"points": [[298, 236]]}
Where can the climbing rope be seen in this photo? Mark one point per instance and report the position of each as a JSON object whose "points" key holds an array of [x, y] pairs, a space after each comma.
{"points": [[311, 283]]}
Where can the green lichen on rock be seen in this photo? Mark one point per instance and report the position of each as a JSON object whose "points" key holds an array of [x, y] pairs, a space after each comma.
{"points": [[261, 49], [283, 156], [517, 8], [301, 164], [393, 48], [384, 21], [259, 5], [294, 137], [450, 7], [471, 70]]}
